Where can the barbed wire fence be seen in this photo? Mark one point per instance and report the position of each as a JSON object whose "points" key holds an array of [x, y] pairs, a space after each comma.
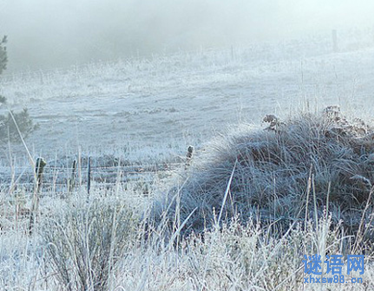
{"points": [[59, 179], [66, 176]]}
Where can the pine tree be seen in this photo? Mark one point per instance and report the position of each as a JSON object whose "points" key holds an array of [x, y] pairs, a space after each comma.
{"points": [[3, 54], [3, 62], [8, 128]]}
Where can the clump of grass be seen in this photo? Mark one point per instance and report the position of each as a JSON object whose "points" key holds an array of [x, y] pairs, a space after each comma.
{"points": [[283, 174], [84, 244]]}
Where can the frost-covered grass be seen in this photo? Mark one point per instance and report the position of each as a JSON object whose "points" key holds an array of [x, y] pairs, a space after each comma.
{"points": [[187, 97], [291, 170], [148, 111], [231, 257], [107, 241]]}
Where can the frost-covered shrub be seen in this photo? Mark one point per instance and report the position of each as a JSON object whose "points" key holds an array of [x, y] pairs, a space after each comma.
{"points": [[84, 244], [283, 174]]}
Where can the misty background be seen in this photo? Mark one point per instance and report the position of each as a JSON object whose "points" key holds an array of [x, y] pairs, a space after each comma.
{"points": [[45, 34]]}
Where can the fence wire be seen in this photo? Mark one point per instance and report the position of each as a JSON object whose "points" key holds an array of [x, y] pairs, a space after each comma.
{"points": [[62, 179]]}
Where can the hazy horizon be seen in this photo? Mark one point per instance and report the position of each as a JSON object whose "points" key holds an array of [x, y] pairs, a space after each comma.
{"points": [[44, 34]]}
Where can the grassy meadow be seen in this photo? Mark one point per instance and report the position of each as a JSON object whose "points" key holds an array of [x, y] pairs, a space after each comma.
{"points": [[281, 167]]}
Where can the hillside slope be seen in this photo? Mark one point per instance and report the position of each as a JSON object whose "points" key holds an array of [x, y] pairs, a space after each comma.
{"points": [[184, 98]]}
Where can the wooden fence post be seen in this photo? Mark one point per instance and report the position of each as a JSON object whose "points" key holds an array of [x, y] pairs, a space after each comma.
{"points": [[39, 168], [71, 181], [88, 177], [188, 157]]}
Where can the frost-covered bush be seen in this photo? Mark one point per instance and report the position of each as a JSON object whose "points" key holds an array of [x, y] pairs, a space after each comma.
{"points": [[290, 171], [84, 244]]}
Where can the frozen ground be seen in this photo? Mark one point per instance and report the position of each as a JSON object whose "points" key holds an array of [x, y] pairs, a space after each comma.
{"points": [[154, 108], [158, 106]]}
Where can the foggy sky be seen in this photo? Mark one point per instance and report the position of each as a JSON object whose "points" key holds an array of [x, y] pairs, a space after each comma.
{"points": [[59, 33]]}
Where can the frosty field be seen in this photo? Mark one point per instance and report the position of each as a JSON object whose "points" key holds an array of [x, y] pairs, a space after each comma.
{"points": [[187, 98], [146, 111]]}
